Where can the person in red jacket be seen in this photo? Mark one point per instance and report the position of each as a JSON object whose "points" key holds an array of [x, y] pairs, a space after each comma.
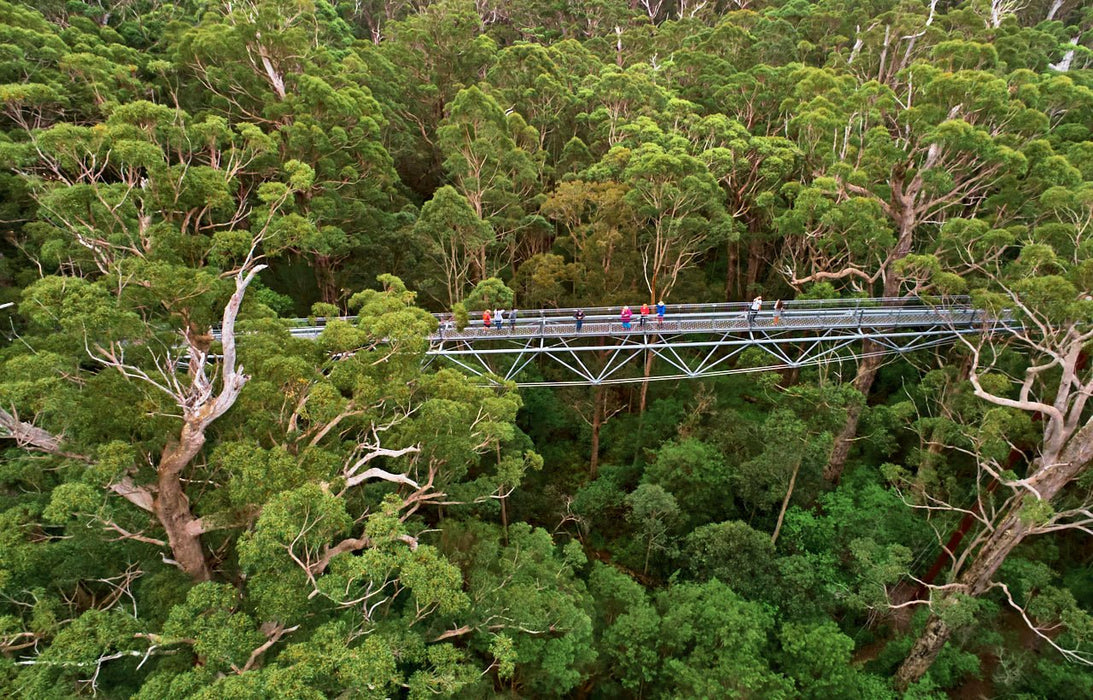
{"points": [[486, 318], [644, 315]]}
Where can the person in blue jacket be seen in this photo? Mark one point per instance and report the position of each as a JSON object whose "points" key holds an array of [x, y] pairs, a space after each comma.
{"points": [[661, 310]]}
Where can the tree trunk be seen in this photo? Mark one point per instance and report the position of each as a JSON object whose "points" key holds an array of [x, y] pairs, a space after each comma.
{"points": [[324, 275], [904, 217], [732, 269], [1064, 466], [790, 377], [1064, 63], [863, 382], [840, 450], [597, 422], [504, 514], [645, 380], [975, 581], [479, 265], [923, 653], [276, 79], [755, 257], [785, 504], [172, 506]]}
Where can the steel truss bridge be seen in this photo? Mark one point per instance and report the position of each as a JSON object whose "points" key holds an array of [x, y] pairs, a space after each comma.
{"points": [[701, 340]]}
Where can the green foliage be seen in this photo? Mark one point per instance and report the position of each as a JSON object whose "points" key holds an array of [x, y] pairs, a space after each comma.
{"points": [[734, 554], [713, 639], [525, 589], [490, 294], [454, 236], [818, 658], [372, 524], [654, 513], [696, 475]]}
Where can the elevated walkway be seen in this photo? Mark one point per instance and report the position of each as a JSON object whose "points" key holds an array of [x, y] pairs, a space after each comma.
{"points": [[701, 340]]}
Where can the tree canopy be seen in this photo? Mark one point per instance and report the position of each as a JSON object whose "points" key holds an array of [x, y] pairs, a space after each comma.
{"points": [[194, 502]]}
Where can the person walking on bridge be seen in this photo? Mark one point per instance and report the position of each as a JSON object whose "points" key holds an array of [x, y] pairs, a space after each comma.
{"points": [[499, 319], [779, 307], [661, 310], [578, 316], [753, 310], [512, 319], [626, 315], [486, 318], [644, 314]]}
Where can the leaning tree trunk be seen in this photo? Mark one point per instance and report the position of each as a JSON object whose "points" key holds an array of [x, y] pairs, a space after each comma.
{"points": [[975, 581], [863, 382], [923, 653], [1063, 466], [902, 206], [785, 503]]}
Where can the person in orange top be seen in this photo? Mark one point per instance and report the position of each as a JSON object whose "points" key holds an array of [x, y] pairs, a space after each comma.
{"points": [[644, 314], [486, 318]]}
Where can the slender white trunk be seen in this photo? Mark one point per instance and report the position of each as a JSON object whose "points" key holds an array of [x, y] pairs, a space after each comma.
{"points": [[785, 503], [1064, 63]]}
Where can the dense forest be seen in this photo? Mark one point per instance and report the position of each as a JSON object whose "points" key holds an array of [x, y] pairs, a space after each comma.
{"points": [[196, 503]]}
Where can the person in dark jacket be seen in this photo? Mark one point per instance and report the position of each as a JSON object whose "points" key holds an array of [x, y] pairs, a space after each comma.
{"points": [[578, 315]]}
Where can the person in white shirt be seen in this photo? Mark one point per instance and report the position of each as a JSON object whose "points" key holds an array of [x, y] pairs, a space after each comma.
{"points": [[753, 311]]}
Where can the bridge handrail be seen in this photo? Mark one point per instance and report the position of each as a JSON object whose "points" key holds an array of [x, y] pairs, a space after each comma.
{"points": [[677, 311]]}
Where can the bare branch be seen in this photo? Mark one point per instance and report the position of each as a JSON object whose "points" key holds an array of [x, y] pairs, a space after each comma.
{"points": [[273, 635], [30, 436], [140, 496], [377, 473], [126, 535], [1074, 655]]}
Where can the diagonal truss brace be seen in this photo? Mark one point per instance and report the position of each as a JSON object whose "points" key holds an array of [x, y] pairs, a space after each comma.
{"points": [[595, 360]]}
